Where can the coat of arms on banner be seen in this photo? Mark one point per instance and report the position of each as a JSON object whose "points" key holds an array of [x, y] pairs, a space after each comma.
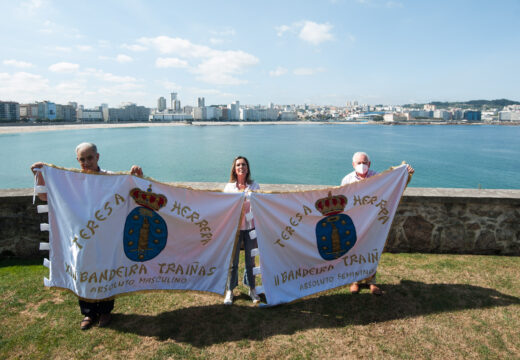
{"points": [[146, 232], [336, 233]]}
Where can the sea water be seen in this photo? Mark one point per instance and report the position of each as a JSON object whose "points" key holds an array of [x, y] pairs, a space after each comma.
{"points": [[451, 156]]}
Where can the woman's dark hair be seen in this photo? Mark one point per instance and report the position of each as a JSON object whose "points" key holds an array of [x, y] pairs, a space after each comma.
{"points": [[233, 175]]}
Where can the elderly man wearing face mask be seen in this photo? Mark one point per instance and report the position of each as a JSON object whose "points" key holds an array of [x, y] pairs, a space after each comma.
{"points": [[361, 165]]}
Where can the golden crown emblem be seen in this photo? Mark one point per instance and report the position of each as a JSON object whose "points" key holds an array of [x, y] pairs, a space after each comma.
{"points": [[148, 198], [331, 205]]}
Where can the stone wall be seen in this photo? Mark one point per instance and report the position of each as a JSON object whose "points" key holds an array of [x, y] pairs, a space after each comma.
{"points": [[20, 233], [460, 221]]}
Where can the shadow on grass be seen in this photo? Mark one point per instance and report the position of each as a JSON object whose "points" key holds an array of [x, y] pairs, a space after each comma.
{"points": [[206, 325], [13, 261]]}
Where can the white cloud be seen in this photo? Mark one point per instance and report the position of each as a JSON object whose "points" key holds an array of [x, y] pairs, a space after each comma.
{"points": [[134, 47], [169, 85], [64, 67], [170, 63], [62, 49], [208, 92], [48, 27], [278, 72], [216, 66], [100, 74], [125, 86], [225, 32], [316, 33], [103, 43], [22, 86], [52, 28], [303, 71], [280, 30], [31, 5], [178, 46], [84, 47], [222, 36], [18, 63], [216, 41], [308, 31], [119, 91], [71, 87], [223, 68], [122, 58], [116, 78]]}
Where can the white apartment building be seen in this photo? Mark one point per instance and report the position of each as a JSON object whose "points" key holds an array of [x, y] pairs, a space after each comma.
{"points": [[234, 111], [89, 115], [392, 117], [509, 115], [161, 104], [258, 114], [288, 116]]}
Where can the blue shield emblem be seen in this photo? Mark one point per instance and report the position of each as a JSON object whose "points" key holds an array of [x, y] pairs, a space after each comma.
{"points": [[335, 236], [145, 234]]}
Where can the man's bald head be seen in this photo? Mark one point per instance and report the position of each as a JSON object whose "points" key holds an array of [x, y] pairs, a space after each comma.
{"points": [[87, 156], [86, 146]]}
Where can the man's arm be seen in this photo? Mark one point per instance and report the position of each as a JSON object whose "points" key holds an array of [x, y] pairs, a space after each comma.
{"points": [[39, 178]]}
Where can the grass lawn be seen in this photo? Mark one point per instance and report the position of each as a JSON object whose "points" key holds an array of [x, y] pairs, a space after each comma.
{"points": [[434, 307]]}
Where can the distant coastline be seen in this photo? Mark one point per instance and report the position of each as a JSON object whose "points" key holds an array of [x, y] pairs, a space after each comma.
{"points": [[12, 128]]}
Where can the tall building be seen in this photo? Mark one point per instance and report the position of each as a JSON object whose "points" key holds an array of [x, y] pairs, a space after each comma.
{"points": [[161, 104], [29, 111], [9, 111], [173, 98], [200, 102], [234, 111], [176, 106], [104, 112], [47, 110], [472, 115], [65, 112], [199, 113]]}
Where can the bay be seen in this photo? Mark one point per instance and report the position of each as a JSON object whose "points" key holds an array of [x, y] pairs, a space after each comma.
{"points": [[454, 156]]}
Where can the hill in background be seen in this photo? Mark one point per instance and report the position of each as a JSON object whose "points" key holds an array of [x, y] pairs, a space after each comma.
{"points": [[472, 104]]}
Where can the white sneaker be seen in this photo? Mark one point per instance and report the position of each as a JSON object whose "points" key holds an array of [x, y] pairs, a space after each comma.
{"points": [[254, 296], [228, 300]]}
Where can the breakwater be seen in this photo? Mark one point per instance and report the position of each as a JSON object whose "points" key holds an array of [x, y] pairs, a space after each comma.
{"points": [[428, 220]]}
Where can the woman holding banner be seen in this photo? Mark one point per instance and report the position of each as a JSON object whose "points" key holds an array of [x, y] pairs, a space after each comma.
{"points": [[240, 181]]}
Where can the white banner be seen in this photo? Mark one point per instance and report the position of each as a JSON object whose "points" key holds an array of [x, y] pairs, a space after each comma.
{"points": [[317, 240], [112, 234]]}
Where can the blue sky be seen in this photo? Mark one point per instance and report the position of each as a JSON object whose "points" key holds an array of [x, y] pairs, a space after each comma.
{"points": [[285, 52]]}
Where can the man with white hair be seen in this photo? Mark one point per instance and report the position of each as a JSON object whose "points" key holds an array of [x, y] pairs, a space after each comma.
{"points": [[88, 157], [361, 165]]}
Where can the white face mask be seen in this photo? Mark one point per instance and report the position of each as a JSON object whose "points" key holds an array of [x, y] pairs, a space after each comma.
{"points": [[361, 169]]}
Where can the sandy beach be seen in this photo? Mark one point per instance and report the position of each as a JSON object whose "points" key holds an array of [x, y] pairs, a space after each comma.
{"points": [[57, 127], [13, 129]]}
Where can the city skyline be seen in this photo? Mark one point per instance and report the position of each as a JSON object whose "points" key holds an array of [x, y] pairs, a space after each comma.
{"points": [[326, 53]]}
